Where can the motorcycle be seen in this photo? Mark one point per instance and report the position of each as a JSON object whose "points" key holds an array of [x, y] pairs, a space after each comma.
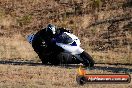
{"points": [[69, 49]]}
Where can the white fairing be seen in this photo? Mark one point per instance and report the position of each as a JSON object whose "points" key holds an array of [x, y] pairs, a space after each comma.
{"points": [[71, 49], [30, 38], [71, 46], [74, 50]]}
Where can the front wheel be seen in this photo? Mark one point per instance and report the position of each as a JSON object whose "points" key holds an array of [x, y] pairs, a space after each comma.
{"points": [[87, 59]]}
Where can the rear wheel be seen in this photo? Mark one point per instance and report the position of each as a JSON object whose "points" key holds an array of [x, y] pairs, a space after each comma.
{"points": [[87, 59]]}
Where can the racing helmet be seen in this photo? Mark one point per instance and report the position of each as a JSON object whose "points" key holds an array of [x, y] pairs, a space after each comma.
{"points": [[51, 28]]}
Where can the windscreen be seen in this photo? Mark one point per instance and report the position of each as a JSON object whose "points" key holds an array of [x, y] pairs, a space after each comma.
{"points": [[64, 38]]}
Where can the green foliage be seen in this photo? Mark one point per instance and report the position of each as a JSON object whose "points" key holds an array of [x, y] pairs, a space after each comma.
{"points": [[97, 3], [2, 13], [64, 17], [93, 30], [24, 20], [73, 27]]}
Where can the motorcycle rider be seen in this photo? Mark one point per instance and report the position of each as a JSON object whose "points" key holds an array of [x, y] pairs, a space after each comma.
{"points": [[47, 50], [42, 42]]}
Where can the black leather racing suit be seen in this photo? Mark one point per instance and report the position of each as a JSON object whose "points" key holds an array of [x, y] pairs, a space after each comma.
{"points": [[42, 43]]}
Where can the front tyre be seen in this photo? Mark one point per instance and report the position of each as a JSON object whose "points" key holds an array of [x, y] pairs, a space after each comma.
{"points": [[87, 59]]}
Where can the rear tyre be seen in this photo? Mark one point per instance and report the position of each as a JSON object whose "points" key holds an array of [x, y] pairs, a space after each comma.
{"points": [[87, 59]]}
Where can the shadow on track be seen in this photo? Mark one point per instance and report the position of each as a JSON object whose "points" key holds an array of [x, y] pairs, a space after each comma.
{"points": [[114, 69], [108, 67], [29, 63], [32, 63]]}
